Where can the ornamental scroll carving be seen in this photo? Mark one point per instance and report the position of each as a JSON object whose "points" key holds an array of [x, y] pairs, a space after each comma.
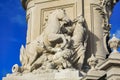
{"points": [[104, 8]]}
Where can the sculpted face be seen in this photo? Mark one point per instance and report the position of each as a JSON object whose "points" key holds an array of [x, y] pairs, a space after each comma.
{"points": [[81, 19]]}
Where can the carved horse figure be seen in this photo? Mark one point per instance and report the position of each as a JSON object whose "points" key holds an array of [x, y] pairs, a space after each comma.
{"points": [[52, 31], [49, 37]]}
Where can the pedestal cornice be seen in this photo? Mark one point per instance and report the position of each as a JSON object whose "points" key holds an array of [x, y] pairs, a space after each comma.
{"points": [[25, 2]]}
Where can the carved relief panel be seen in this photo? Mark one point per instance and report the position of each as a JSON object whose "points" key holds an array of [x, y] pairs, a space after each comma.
{"points": [[70, 10], [40, 9]]}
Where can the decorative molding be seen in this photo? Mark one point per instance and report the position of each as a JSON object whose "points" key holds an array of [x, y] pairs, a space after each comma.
{"points": [[25, 2], [27, 17], [29, 23]]}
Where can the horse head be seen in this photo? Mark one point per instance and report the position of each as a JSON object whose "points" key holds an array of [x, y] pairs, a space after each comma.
{"points": [[62, 15]]}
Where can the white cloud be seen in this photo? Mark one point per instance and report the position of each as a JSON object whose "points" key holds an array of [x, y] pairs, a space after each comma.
{"points": [[117, 33], [19, 19]]}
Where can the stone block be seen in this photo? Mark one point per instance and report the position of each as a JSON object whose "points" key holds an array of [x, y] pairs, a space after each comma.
{"points": [[111, 66], [94, 75], [62, 75]]}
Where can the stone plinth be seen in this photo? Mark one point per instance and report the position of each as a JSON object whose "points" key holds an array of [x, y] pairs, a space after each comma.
{"points": [[94, 75], [46, 76], [63, 75], [67, 75], [112, 67]]}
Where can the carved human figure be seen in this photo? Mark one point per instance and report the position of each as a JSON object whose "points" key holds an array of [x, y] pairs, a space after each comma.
{"points": [[76, 33], [79, 42]]}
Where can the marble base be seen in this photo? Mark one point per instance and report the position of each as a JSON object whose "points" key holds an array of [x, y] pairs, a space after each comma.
{"points": [[62, 75], [94, 75]]}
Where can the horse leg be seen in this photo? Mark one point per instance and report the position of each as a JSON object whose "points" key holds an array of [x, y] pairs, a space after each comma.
{"points": [[32, 53], [54, 37]]}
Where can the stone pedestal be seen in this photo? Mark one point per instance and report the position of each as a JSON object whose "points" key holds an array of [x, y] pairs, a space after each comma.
{"points": [[94, 75], [112, 67], [38, 10], [46, 76], [67, 75], [62, 75]]}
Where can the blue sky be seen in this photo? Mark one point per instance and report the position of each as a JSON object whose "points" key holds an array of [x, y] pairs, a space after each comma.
{"points": [[115, 20], [13, 32]]}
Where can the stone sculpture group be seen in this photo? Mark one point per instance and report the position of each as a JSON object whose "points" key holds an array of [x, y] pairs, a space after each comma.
{"points": [[68, 46], [61, 45]]}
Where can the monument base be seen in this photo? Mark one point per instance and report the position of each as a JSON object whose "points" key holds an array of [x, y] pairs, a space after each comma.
{"points": [[94, 75], [62, 75]]}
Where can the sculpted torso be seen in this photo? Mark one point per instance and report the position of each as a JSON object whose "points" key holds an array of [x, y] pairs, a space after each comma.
{"points": [[78, 33]]}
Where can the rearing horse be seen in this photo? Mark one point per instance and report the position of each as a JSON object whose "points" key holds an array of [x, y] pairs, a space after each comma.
{"points": [[52, 30], [50, 34]]}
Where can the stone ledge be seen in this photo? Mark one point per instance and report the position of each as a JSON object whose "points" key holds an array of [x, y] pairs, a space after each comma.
{"points": [[63, 75], [94, 75], [25, 2]]}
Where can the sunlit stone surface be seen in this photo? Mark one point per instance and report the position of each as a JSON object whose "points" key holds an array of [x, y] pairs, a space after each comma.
{"points": [[68, 40]]}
